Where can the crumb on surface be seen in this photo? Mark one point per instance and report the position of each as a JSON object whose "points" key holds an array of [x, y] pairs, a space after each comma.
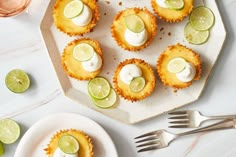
{"points": [[120, 3]]}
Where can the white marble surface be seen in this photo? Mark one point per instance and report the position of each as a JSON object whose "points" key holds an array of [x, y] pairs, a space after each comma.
{"points": [[21, 47]]}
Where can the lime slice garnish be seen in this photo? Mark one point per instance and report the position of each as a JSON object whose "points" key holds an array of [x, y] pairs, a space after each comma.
{"points": [[99, 88], [176, 65], [68, 144], [107, 102], [1, 149], [17, 81], [137, 84], [73, 9], [83, 52], [175, 4], [202, 18], [194, 36], [9, 131], [134, 23]]}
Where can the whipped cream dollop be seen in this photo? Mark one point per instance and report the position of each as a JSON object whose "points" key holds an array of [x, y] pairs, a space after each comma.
{"points": [[161, 3], [59, 153], [188, 73], [93, 64], [129, 72], [136, 39], [84, 18]]}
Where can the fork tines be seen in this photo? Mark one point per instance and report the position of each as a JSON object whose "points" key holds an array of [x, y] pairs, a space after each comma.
{"points": [[180, 118]]}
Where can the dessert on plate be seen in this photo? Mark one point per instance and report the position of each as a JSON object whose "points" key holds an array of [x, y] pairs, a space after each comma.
{"points": [[178, 66], [75, 17], [70, 142], [82, 59], [134, 79], [172, 10], [134, 28]]}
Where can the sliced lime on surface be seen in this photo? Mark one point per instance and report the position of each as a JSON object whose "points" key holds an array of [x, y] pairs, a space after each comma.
{"points": [[176, 65], [134, 23], [83, 52], [73, 9], [202, 18], [107, 102], [1, 149], [175, 4], [68, 144], [17, 81], [194, 36], [9, 131], [137, 84], [99, 88]]}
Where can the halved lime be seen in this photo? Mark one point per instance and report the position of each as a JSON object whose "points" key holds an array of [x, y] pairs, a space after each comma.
{"points": [[73, 8], [68, 144], [17, 81], [137, 84], [194, 36], [202, 18], [1, 149], [83, 52], [9, 131], [176, 65], [175, 4], [134, 23], [107, 102], [99, 88]]}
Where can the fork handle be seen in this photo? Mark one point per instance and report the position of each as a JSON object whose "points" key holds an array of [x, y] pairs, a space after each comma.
{"points": [[219, 117], [225, 124]]}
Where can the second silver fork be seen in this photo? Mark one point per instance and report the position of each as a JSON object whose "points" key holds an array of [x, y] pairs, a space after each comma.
{"points": [[192, 119]]}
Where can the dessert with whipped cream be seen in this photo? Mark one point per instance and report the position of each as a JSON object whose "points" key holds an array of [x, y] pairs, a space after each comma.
{"points": [[134, 28], [178, 66], [75, 17], [70, 143], [134, 79], [172, 10], [82, 59]]}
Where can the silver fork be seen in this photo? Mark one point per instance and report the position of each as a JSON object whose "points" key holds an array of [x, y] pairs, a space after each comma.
{"points": [[162, 138], [191, 119]]}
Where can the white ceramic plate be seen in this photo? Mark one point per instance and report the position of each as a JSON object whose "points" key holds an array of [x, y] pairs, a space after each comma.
{"points": [[38, 136], [163, 99]]}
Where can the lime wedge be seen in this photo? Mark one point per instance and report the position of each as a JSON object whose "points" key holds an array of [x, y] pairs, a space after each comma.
{"points": [[9, 131], [134, 23], [194, 36], [83, 52], [202, 18], [99, 88], [68, 144], [176, 65], [73, 9], [107, 102], [1, 149], [137, 84], [17, 81], [175, 4]]}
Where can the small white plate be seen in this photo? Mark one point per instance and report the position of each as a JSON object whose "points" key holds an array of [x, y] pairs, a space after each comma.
{"points": [[38, 136]]}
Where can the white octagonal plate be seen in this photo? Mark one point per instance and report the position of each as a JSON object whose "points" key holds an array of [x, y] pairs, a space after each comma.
{"points": [[163, 99]]}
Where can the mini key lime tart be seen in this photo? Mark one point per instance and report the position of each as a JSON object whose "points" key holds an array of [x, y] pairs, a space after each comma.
{"points": [[172, 10], [75, 17], [70, 143], [134, 79], [178, 66], [82, 59], [134, 29]]}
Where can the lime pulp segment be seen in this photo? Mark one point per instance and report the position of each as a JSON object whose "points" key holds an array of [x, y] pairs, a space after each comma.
{"points": [[176, 65], [17, 81], [137, 84], [107, 102], [194, 36], [99, 88], [175, 4], [73, 8], [202, 18], [83, 52], [134, 23], [9, 131], [68, 144]]}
